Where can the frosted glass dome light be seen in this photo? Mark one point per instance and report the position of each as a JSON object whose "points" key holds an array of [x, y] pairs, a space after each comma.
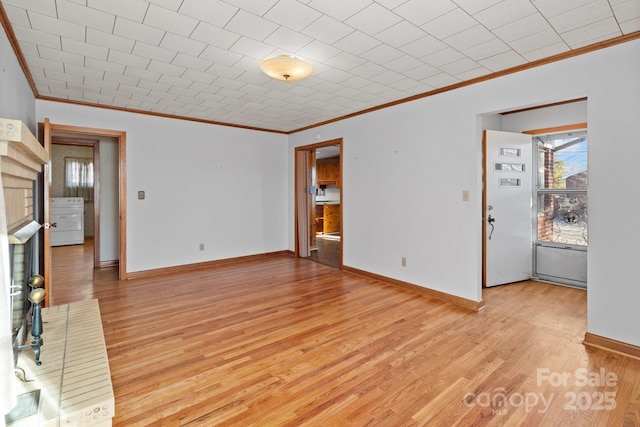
{"points": [[286, 67]]}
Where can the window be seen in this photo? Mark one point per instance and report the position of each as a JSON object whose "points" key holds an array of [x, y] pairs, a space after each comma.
{"points": [[78, 178], [562, 189]]}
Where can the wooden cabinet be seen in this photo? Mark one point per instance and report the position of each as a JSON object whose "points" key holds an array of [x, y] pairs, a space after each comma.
{"points": [[327, 218], [328, 171], [331, 222]]}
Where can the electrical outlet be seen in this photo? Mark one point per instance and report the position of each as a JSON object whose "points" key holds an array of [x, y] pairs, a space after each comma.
{"points": [[404, 261], [202, 246]]}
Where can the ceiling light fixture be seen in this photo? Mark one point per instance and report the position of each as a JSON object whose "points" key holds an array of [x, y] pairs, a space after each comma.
{"points": [[286, 67]]}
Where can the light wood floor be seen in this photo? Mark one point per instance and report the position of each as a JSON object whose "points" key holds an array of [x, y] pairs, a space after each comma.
{"points": [[289, 342]]}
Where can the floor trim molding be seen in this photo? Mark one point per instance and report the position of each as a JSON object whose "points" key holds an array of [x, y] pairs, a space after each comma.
{"points": [[612, 345], [203, 265], [431, 293]]}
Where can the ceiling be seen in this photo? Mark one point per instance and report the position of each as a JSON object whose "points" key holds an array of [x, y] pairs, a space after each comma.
{"points": [[199, 59]]}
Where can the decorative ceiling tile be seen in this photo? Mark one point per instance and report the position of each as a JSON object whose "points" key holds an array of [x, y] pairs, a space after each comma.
{"points": [[200, 58], [182, 44], [504, 12], [287, 40], [357, 43], [136, 31], [401, 34], [109, 40], [449, 24], [83, 49], [537, 41], [626, 11], [520, 28], [373, 19], [419, 12], [36, 37], [214, 12], [630, 26], [327, 29], [339, 9], [292, 14], [468, 38], [475, 6], [502, 61], [46, 7], [134, 10], [167, 20], [148, 51], [582, 16], [18, 15], [77, 14], [592, 33], [56, 27]]}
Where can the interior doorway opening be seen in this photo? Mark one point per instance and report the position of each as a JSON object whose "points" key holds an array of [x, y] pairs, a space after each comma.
{"points": [[110, 213], [75, 174], [318, 190], [544, 172]]}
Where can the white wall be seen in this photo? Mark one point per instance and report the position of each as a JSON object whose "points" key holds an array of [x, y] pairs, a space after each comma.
{"points": [[543, 118], [221, 186], [614, 208], [16, 97], [421, 155], [109, 200]]}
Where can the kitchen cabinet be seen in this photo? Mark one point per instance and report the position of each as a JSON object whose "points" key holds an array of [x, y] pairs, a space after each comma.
{"points": [[331, 218], [327, 217], [328, 171]]}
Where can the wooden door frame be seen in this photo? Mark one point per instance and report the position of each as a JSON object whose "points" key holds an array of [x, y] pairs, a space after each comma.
{"points": [[312, 147], [121, 137]]}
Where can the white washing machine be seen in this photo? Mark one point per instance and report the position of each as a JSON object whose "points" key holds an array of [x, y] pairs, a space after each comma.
{"points": [[68, 215]]}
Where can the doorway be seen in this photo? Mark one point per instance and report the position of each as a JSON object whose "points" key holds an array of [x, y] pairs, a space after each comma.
{"points": [[110, 197], [75, 172], [318, 201], [560, 205], [535, 206]]}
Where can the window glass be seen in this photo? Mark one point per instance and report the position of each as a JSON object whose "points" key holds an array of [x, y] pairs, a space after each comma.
{"points": [[562, 161]]}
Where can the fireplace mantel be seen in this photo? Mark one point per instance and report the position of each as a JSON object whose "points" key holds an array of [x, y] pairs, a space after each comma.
{"points": [[21, 159]]}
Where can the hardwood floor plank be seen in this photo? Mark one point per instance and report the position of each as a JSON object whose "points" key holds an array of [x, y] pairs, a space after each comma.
{"points": [[281, 341]]}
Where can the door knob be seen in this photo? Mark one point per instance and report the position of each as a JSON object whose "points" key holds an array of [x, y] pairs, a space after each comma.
{"points": [[50, 225]]}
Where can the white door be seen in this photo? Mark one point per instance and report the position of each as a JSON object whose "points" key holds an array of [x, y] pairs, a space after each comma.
{"points": [[508, 208]]}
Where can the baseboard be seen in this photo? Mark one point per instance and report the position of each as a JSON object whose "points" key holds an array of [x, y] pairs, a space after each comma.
{"points": [[612, 345], [203, 265], [431, 293]]}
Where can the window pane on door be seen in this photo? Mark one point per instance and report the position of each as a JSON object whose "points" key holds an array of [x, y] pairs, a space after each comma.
{"points": [[562, 218], [562, 161]]}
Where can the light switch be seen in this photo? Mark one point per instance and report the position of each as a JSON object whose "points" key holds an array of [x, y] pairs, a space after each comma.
{"points": [[465, 195], [141, 195]]}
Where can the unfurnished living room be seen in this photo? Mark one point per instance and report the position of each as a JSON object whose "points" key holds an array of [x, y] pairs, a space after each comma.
{"points": [[173, 172]]}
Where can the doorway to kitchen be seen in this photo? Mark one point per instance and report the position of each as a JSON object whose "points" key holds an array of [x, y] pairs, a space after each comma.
{"points": [[318, 201]]}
